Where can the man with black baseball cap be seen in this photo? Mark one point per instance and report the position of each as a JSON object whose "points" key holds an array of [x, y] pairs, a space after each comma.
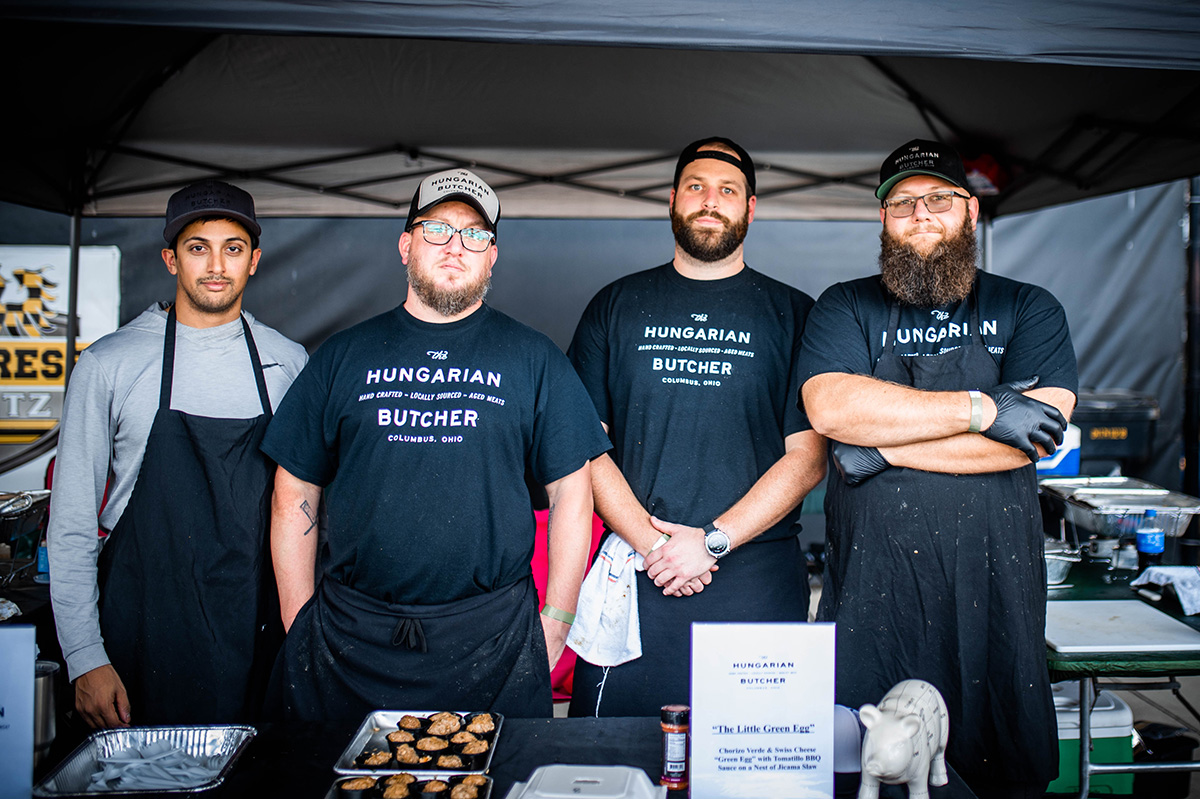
{"points": [[939, 386], [168, 618], [691, 366], [417, 427]]}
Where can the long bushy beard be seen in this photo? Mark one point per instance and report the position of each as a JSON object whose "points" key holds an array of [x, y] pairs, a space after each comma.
{"points": [[943, 276], [452, 302], [709, 246]]}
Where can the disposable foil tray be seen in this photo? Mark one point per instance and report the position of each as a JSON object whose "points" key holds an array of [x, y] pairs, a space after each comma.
{"points": [[73, 776], [485, 790], [372, 737], [1113, 507]]}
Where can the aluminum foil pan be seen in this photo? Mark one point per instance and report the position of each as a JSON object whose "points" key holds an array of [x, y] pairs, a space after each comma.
{"points": [[452, 779], [372, 737], [1115, 506], [73, 776]]}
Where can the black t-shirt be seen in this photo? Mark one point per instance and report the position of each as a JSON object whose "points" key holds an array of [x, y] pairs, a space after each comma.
{"points": [[1023, 327], [695, 379], [421, 433]]}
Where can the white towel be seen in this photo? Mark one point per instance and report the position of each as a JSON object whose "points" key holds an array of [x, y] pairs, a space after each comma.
{"points": [[1185, 580], [606, 630]]}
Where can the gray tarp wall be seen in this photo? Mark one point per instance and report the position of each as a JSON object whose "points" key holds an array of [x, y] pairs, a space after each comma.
{"points": [[1115, 263]]}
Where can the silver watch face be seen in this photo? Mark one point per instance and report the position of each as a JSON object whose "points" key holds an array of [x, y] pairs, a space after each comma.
{"points": [[716, 543]]}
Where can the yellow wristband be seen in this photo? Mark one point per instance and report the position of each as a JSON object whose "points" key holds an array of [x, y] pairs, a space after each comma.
{"points": [[976, 412], [551, 612], [662, 539]]}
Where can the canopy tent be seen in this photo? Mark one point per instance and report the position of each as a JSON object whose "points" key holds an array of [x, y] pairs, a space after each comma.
{"points": [[577, 108]]}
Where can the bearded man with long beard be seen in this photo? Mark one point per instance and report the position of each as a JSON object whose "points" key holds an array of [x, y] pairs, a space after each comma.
{"points": [[418, 427], [938, 387], [691, 366]]}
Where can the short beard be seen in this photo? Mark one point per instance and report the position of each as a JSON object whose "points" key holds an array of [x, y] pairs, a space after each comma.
{"points": [[709, 246], [944, 276], [206, 303], [452, 302]]}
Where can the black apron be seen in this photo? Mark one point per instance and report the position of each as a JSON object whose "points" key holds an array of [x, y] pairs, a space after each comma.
{"points": [[759, 582], [188, 607], [348, 653], [941, 577]]}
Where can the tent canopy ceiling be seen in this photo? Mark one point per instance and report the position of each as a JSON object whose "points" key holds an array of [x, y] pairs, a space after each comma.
{"points": [[1051, 101]]}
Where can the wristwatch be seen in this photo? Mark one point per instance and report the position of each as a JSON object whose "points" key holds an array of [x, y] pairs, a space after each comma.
{"points": [[716, 541]]}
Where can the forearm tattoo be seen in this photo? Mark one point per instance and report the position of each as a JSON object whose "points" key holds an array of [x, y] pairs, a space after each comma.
{"points": [[310, 514]]}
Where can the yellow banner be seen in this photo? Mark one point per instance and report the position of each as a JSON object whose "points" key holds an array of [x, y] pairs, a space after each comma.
{"points": [[26, 363]]}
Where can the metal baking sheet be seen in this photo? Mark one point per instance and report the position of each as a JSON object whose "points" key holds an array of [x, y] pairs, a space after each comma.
{"points": [[73, 776], [372, 735], [1115, 626], [485, 790]]}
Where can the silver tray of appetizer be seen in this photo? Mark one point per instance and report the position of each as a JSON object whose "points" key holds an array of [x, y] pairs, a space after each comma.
{"points": [[148, 760], [421, 742], [403, 785]]}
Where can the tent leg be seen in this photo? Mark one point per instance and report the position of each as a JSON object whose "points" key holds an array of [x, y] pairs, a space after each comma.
{"points": [[1191, 406], [73, 296]]}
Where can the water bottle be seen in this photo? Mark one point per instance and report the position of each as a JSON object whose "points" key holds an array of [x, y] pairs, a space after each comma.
{"points": [[1151, 540]]}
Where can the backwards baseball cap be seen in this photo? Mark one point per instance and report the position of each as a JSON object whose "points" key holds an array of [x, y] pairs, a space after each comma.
{"points": [[921, 157], [209, 198], [693, 153], [459, 185]]}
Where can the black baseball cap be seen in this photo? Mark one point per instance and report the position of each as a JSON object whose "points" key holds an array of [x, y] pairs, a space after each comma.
{"points": [[693, 153], [209, 198], [459, 185], [921, 157]]}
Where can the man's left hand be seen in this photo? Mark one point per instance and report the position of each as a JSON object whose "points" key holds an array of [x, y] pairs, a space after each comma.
{"points": [[680, 562], [556, 638]]}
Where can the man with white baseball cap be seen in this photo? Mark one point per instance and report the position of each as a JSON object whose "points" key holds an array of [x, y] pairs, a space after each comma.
{"points": [[417, 427]]}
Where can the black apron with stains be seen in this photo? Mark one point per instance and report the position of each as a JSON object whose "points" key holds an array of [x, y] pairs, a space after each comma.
{"points": [[941, 577], [188, 607], [348, 653]]}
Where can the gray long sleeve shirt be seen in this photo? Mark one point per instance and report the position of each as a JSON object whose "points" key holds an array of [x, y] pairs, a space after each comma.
{"points": [[107, 416]]}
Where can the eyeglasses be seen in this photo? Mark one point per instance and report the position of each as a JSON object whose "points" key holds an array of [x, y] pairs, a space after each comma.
{"points": [[473, 238], [936, 202]]}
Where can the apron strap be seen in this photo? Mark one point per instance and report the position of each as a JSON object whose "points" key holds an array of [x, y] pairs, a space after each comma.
{"points": [[259, 378], [168, 365], [168, 362], [893, 324]]}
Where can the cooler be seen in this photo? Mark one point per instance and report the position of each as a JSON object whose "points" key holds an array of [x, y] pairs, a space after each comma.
{"points": [[1112, 741]]}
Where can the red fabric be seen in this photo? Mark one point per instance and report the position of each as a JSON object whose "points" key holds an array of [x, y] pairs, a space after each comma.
{"points": [[562, 676]]}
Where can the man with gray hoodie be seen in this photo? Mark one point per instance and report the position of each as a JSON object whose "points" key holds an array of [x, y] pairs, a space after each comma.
{"points": [[170, 616]]}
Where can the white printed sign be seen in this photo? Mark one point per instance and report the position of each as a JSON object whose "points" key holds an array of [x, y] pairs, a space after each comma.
{"points": [[16, 709], [762, 711]]}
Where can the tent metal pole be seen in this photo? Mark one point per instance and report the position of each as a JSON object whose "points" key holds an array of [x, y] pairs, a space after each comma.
{"points": [[1191, 407], [73, 296]]}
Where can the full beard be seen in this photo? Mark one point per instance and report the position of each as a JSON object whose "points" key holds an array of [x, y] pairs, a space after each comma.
{"points": [[708, 246], [448, 302], [943, 276]]}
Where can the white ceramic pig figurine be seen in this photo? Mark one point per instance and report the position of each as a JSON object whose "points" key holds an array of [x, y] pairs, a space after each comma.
{"points": [[905, 740]]}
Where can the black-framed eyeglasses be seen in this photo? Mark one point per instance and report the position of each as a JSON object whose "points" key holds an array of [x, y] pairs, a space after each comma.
{"points": [[936, 202], [473, 238]]}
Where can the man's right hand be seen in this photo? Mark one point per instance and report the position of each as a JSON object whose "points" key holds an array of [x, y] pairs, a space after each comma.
{"points": [[101, 699], [855, 464], [1023, 422]]}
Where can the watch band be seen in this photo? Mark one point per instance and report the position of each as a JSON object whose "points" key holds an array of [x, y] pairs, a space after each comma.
{"points": [[976, 412], [551, 612]]}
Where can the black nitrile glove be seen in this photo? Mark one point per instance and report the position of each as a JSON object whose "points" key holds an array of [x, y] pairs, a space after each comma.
{"points": [[856, 464], [1023, 422]]}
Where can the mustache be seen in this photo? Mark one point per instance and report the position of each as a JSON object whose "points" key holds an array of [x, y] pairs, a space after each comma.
{"points": [[717, 215]]}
